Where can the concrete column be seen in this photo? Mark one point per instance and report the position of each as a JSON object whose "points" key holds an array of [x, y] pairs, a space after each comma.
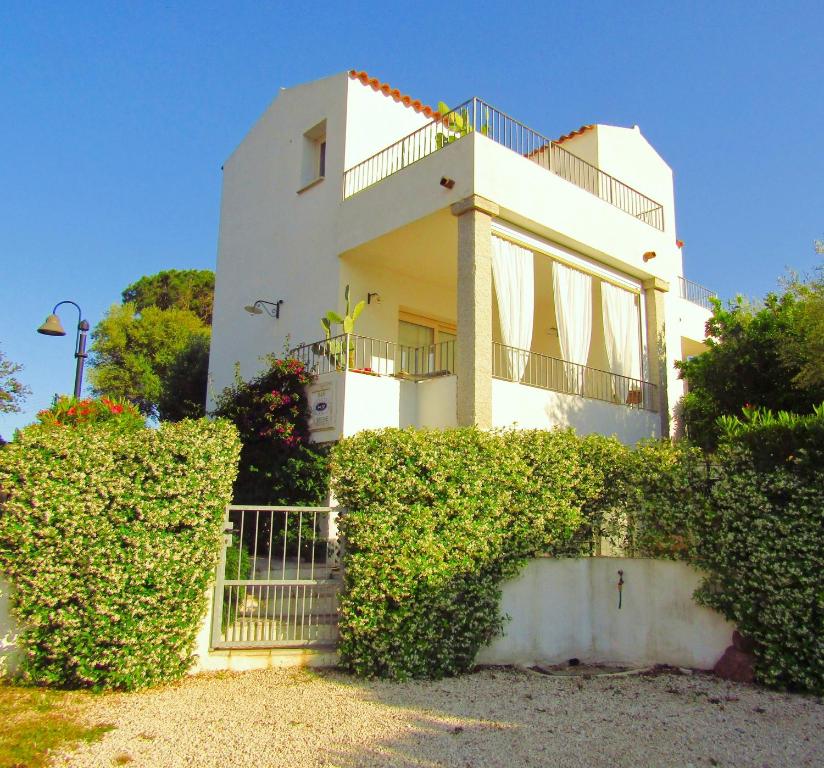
{"points": [[654, 293], [474, 348]]}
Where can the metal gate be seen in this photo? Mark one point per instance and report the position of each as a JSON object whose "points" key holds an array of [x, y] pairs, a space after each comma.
{"points": [[277, 579]]}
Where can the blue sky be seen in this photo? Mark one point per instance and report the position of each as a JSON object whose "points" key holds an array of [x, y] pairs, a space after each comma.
{"points": [[117, 117]]}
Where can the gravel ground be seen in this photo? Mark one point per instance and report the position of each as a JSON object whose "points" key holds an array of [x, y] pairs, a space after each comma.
{"points": [[495, 717]]}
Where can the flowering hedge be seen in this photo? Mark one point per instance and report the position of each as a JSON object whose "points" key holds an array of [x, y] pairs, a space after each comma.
{"points": [[435, 521], [751, 516], [110, 537]]}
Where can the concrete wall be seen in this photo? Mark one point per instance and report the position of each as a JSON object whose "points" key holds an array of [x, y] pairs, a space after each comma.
{"points": [[9, 651], [562, 609], [522, 407]]}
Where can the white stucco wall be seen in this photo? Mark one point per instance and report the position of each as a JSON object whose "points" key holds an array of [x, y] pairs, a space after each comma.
{"points": [[9, 650], [377, 402], [270, 244], [565, 608], [437, 403], [523, 407]]}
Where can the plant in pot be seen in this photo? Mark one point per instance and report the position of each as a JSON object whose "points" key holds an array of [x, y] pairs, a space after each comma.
{"points": [[340, 349]]}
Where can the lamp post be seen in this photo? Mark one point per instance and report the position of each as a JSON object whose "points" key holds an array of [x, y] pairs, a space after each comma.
{"points": [[53, 327]]}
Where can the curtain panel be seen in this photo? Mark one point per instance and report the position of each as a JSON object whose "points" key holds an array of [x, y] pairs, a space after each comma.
{"points": [[573, 314], [621, 333], [513, 273]]}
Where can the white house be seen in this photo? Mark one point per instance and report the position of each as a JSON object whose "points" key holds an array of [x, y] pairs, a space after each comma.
{"points": [[510, 279]]}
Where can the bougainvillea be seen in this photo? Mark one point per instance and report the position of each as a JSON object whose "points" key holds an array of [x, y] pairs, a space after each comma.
{"points": [[278, 464]]}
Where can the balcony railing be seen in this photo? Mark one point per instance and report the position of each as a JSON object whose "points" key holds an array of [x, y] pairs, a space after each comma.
{"points": [[695, 293], [546, 372], [376, 356], [364, 354], [477, 115]]}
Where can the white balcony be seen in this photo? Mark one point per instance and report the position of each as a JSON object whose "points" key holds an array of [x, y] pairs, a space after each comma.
{"points": [[366, 383]]}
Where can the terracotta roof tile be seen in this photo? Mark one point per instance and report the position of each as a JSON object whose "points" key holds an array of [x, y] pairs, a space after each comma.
{"points": [[388, 90], [572, 134]]}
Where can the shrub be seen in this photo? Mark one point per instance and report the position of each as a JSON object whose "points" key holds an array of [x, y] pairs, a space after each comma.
{"points": [[435, 521], [110, 537], [278, 464], [760, 537]]}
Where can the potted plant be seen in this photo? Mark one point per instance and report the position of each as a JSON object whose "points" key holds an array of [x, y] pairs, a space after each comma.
{"points": [[340, 351]]}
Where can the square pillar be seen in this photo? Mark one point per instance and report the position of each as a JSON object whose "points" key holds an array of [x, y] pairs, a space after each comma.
{"points": [[473, 361], [654, 293]]}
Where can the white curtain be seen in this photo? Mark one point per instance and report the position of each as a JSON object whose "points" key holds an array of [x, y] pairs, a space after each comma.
{"points": [[514, 275], [573, 314], [622, 335]]}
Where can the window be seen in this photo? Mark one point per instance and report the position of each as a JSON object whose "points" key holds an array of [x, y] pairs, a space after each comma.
{"points": [[425, 345], [313, 164]]}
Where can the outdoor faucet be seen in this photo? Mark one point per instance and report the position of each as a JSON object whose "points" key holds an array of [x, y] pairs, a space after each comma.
{"points": [[620, 588]]}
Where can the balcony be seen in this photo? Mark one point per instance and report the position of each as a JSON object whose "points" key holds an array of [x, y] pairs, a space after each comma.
{"points": [[695, 293], [476, 115], [368, 383]]}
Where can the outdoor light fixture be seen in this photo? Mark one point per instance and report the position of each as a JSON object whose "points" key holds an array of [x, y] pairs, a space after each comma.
{"points": [[649, 255], [53, 327], [376, 296], [271, 308], [447, 183]]}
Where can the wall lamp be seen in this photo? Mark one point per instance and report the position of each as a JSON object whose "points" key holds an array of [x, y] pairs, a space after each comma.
{"points": [[376, 296], [648, 255], [447, 183], [53, 327], [271, 308]]}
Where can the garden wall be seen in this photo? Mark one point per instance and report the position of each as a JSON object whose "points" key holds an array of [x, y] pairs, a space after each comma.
{"points": [[9, 652], [565, 608]]}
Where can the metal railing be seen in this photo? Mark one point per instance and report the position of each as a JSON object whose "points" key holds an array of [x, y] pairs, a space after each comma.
{"points": [[477, 115], [695, 293], [364, 354], [546, 372], [277, 580]]}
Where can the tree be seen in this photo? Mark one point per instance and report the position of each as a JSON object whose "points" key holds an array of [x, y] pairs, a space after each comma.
{"points": [[12, 391], [191, 289], [184, 388], [749, 364], [806, 350], [133, 355]]}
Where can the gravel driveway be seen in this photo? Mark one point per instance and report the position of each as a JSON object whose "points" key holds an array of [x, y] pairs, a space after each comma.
{"points": [[495, 717]]}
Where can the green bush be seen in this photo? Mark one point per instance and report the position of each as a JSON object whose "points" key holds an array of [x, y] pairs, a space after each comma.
{"points": [[110, 537], [435, 521], [760, 537]]}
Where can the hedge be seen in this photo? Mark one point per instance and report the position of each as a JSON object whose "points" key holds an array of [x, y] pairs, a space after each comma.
{"points": [[435, 521], [756, 521], [110, 537]]}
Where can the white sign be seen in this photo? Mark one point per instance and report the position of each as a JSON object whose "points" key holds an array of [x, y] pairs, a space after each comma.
{"points": [[322, 407]]}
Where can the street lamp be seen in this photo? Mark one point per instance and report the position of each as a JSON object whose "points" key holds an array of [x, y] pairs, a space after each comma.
{"points": [[53, 327]]}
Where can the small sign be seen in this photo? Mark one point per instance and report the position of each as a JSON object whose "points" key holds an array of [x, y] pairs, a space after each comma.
{"points": [[322, 407]]}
